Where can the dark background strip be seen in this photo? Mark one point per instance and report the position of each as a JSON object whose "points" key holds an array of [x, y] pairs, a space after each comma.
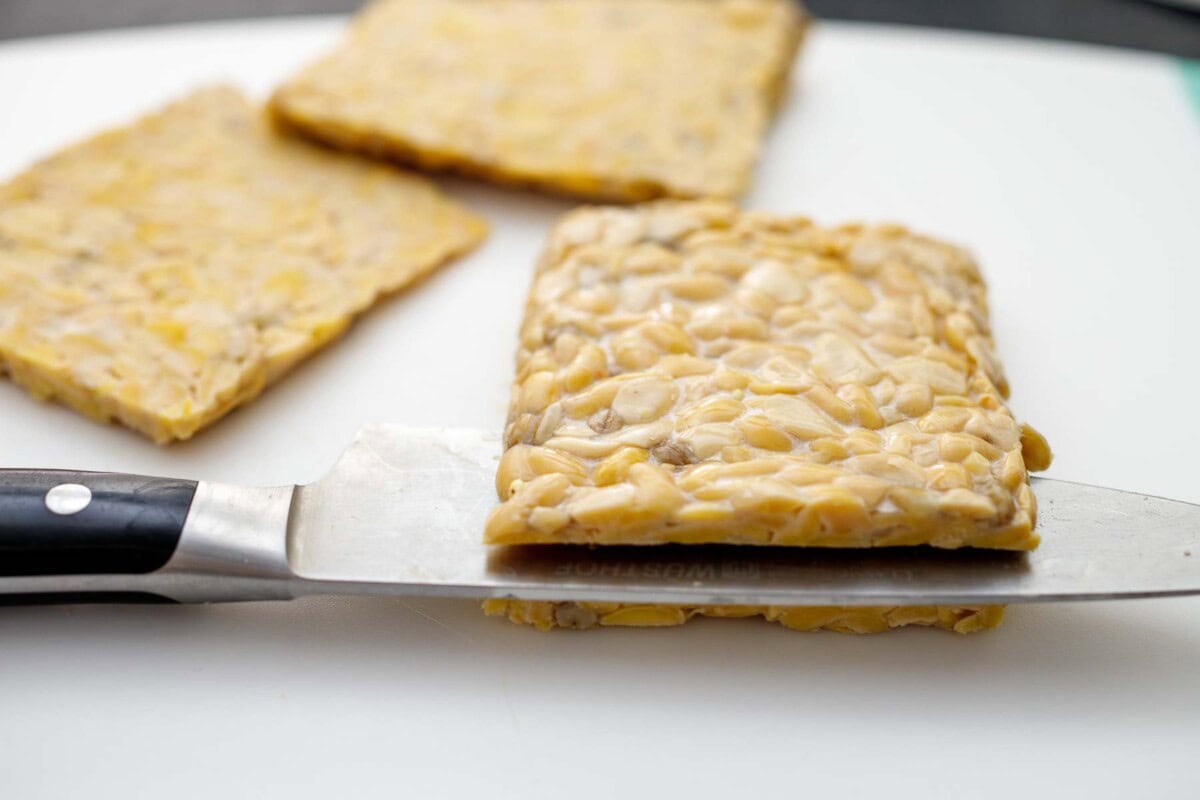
{"points": [[1157, 26]]}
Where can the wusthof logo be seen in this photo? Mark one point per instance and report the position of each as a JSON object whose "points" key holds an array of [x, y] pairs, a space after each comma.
{"points": [[670, 570], [740, 570]]}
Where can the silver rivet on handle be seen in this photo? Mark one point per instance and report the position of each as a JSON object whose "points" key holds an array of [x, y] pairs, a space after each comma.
{"points": [[68, 498]]}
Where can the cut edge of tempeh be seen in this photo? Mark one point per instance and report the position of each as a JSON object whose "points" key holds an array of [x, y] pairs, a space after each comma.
{"points": [[548, 615]]}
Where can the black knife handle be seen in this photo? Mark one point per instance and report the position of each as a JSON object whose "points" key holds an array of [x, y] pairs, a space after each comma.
{"points": [[114, 525], [75, 598]]}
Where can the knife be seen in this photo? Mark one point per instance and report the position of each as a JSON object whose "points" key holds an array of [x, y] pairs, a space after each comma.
{"points": [[402, 513]]}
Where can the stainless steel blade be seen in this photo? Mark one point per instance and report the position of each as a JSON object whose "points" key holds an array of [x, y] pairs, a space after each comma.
{"points": [[403, 511]]}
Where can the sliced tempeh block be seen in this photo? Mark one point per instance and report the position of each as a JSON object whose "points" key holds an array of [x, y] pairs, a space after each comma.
{"points": [[613, 99], [164, 273], [689, 373]]}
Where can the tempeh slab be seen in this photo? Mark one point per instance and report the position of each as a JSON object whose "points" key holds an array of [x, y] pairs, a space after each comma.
{"points": [[612, 99], [691, 373], [164, 273]]}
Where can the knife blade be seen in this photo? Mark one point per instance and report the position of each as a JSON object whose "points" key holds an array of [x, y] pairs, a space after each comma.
{"points": [[402, 513]]}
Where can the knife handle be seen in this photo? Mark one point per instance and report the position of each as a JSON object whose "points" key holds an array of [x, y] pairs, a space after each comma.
{"points": [[68, 536], [57, 522]]}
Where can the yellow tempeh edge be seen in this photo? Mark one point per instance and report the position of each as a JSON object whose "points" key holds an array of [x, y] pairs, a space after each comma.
{"points": [[161, 274], [546, 615], [690, 373], [617, 99]]}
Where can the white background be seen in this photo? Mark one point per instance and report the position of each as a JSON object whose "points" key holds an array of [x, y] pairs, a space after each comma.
{"points": [[1072, 172]]}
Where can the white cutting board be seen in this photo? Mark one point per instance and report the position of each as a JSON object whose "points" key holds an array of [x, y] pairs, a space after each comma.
{"points": [[1074, 174]]}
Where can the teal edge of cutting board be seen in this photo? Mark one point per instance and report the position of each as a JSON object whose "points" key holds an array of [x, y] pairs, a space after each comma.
{"points": [[1190, 70]]}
